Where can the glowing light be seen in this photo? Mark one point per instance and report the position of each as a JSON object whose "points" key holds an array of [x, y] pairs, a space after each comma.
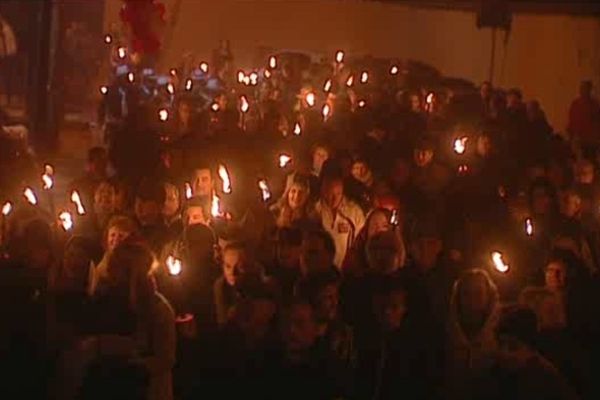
{"points": [[272, 62], [394, 70], [246, 80], [240, 76], [364, 77], [463, 169], [48, 181], [501, 191], [310, 99], [362, 103], [174, 265], [215, 208], [339, 56], [429, 99], [254, 78], [170, 88], [327, 86], [460, 145], [131, 77], [215, 107], [326, 112], [66, 220], [284, 160], [188, 191], [244, 105], [189, 84], [204, 67], [394, 219], [529, 227], [173, 72], [499, 263], [350, 81], [108, 39], [224, 175], [30, 196], [122, 52], [297, 129], [163, 115], [76, 199], [103, 90], [264, 189], [7, 208]]}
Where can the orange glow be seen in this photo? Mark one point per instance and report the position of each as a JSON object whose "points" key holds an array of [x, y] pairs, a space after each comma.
{"points": [[204, 67], [297, 129], [240, 76], [284, 160], [460, 145], [272, 62], [131, 77], [244, 105], [174, 265], [350, 81], [364, 77], [264, 189], [529, 227], [48, 181], [76, 199], [7, 208], [310, 99], [189, 84], [224, 175], [215, 107], [122, 52], [339, 56], [254, 78], [247, 80], [394, 70], [188, 191], [163, 115], [173, 72], [170, 88], [267, 74], [215, 208], [326, 111], [499, 263], [362, 103], [103, 90], [66, 220], [30, 196], [108, 39], [327, 86]]}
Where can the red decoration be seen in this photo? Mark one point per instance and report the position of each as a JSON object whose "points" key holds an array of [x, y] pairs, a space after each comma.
{"points": [[145, 19]]}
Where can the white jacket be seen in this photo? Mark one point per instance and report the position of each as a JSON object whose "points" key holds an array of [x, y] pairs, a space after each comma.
{"points": [[343, 225]]}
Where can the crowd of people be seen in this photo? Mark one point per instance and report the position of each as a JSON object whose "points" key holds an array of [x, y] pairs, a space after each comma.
{"points": [[312, 233]]}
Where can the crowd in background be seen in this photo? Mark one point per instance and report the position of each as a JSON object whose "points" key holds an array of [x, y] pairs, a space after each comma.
{"points": [[300, 234]]}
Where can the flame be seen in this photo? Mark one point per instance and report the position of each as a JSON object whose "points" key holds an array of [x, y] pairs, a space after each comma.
{"points": [[204, 67], [499, 263], [297, 129], [170, 88], [215, 208], [173, 72], [103, 89], [224, 175], [246, 80], [284, 160], [30, 196], [463, 169], [189, 84], [327, 86], [163, 114], [131, 77], [240, 76], [460, 145], [267, 74], [264, 188], [75, 198], [174, 265], [122, 52], [66, 220], [254, 78], [108, 39], [339, 56], [529, 227], [244, 105], [48, 181], [364, 77], [362, 103], [188, 191], [350, 81], [326, 111], [429, 99], [272, 62], [394, 70], [310, 99], [215, 107], [7, 208]]}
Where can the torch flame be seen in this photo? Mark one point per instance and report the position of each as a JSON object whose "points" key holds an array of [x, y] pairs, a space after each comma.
{"points": [[273, 62], [254, 78], [224, 175], [246, 80], [460, 145], [170, 88], [7, 208], [264, 188], [339, 56], [174, 265], [48, 181], [327, 86], [326, 112], [429, 99], [173, 72], [163, 114], [75, 198], [350, 81], [499, 263], [215, 107], [131, 77], [244, 105], [463, 169], [189, 84], [66, 220], [394, 70], [364, 77], [30, 196], [529, 227], [103, 89], [204, 67], [240, 76], [122, 52], [284, 160], [107, 39], [362, 103], [267, 74], [297, 129], [310, 99], [188, 191], [215, 208]]}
